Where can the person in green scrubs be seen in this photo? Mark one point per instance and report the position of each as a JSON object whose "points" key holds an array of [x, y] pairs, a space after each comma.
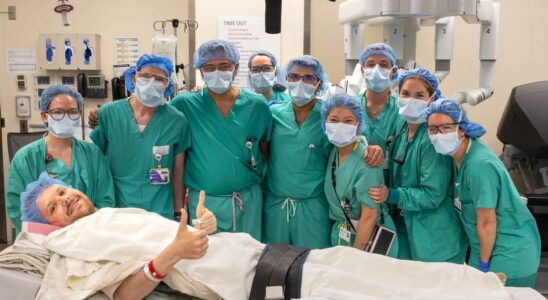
{"points": [[502, 232], [78, 163], [229, 128], [266, 78], [420, 180], [295, 209], [145, 141], [378, 62], [348, 178]]}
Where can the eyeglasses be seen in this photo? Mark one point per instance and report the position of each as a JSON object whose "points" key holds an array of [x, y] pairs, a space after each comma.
{"points": [[307, 78], [159, 78], [58, 114], [443, 128], [224, 67], [263, 68]]}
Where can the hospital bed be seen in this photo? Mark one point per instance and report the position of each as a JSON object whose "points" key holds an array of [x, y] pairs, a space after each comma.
{"points": [[16, 285]]}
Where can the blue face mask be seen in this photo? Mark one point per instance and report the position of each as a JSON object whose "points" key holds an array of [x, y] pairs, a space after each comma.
{"points": [[64, 128], [301, 93], [149, 92], [263, 81], [377, 79], [218, 81], [412, 110]]}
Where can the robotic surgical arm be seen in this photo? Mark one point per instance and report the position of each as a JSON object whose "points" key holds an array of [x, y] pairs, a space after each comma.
{"points": [[401, 20]]}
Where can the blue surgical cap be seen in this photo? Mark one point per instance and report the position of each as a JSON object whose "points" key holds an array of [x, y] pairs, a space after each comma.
{"points": [[55, 90], [378, 49], [150, 60], [279, 85], [216, 49], [457, 113], [313, 64], [343, 100], [29, 206], [424, 74]]}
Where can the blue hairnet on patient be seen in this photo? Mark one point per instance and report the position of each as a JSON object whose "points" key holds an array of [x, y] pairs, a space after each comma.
{"points": [[425, 75], [150, 60], [214, 50], [55, 90], [378, 49], [310, 63], [280, 84], [458, 114], [346, 101], [29, 205]]}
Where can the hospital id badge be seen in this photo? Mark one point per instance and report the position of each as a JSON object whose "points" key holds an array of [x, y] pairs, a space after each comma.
{"points": [[344, 234], [457, 204], [158, 176]]}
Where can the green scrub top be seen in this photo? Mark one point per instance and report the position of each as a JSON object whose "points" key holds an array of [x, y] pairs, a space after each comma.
{"points": [[88, 173], [131, 157], [300, 153], [420, 182], [378, 132], [219, 161], [354, 178], [278, 97], [483, 182], [295, 209], [225, 160]]}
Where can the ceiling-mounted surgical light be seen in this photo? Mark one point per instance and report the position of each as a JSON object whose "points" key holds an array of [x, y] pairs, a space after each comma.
{"points": [[63, 8]]}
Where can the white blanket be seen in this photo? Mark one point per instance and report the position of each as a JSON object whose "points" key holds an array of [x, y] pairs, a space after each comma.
{"points": [[99, 251], [26, 255]]}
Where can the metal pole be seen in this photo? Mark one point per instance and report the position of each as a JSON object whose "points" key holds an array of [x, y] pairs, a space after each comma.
{"points": [[191, 79], [307, 25]]}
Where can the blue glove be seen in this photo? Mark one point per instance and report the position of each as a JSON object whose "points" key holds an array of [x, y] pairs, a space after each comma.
{"points": [[484, 266]]}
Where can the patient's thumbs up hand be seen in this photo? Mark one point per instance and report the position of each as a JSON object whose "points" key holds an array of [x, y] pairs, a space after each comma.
{"points": [[189, 244], [201, 209], [206, 219], [184, 220]]}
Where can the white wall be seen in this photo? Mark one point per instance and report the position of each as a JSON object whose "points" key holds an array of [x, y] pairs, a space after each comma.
{"points": [[208, 11], [523, 41]]}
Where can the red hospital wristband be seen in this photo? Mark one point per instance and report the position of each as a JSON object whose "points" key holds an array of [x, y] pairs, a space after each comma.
{"points": [[155, 273]]}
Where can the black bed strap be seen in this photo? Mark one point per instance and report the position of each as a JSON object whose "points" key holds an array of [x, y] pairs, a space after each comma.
{"points": [[279, 270]]}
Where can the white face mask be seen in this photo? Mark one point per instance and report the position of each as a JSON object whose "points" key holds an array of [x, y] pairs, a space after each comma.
{"points": [[149, 92], [218, 81], [446, 143], [412, 110], [341, 134], [301, 93], [64, 128], [377, 79], [263, 81]]}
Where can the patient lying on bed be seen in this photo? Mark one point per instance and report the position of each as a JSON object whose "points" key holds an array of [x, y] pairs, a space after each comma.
{"points": [[110, 250]]}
